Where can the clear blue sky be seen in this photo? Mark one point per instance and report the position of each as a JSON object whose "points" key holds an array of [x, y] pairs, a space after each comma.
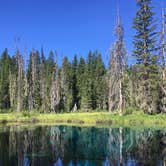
{"points": [[68, 26]]}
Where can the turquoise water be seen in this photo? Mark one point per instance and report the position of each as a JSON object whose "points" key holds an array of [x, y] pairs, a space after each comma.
{"points": [[76, 146]]}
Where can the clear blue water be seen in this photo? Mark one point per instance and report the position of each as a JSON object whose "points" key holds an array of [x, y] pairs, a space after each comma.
{"points": [[76, 146]]}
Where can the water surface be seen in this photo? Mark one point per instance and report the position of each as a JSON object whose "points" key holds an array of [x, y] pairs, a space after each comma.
{"points": [[76, 146]]}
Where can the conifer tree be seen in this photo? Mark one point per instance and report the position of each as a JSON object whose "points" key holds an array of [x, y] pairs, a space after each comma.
{"points": [[66, 85], [87, 86], [4, 80], [74, 82], [100, 85], [145, 48], [80, 78], [13, 83]]}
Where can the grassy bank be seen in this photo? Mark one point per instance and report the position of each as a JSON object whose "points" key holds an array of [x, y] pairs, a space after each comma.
{"points": [[84, 118]]}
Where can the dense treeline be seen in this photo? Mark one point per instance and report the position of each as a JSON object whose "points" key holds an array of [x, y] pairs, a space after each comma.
{"points": [[87, 83], [80, 84]]}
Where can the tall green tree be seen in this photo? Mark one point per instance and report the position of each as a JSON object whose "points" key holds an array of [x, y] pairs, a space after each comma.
{"points": [[145, 47], [66, 102], [4, 80], [13, 82], [92, 82], [80, 79], [74, 82], [87, 84], [101, 84]]}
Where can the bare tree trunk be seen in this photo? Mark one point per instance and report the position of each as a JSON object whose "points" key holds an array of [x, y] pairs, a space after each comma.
{"points": [[120, 98], [54, 93], [32, 81], [116, 72], [163, 46], [20, 82], [13, 90], [163, 69], [43, 87]]}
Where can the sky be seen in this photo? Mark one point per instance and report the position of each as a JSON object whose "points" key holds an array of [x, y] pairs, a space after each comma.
{"points": [[68, 26]]}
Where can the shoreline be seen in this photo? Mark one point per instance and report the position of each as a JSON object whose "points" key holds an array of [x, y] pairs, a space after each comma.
{"points": [[83, 119]]}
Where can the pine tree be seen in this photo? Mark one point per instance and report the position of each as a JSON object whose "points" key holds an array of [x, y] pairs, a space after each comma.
{"points": [[100, 85], [66, 102], [13, 83], [87, 85], [147, 60], [80, 78], [4, 80], [74, 82]]}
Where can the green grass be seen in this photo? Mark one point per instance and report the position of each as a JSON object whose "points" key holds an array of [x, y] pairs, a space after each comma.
{"points": [[137, 118]]}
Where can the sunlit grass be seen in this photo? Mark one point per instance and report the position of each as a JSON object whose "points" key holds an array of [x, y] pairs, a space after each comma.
{"points": [[136, 118]]}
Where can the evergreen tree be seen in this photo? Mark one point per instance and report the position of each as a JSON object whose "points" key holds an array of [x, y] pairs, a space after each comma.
{"points": [[13, 83], [100, 84], [87, 85], [147, 60], [74, 82], [4, 80], [80, 79], [66, 102]]}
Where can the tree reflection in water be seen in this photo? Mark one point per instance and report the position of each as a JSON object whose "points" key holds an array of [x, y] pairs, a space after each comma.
{"points": [[76, 146]]}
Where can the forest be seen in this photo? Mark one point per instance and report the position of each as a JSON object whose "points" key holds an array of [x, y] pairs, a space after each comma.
{"points": [[88, 83]]}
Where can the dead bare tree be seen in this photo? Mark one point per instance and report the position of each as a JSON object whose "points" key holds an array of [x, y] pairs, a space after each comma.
{"points": [[163, 67], [55, 90], [20, 79], [117, 67], [43, 82], [163, 44]]}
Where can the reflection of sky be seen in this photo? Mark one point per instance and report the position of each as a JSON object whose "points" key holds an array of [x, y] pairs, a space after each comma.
{"points": [[129, 162], [58, 162], [106, 162], [26, 161]]}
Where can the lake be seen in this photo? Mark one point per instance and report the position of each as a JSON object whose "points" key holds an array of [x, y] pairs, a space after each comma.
{"points": [[81, 146]]}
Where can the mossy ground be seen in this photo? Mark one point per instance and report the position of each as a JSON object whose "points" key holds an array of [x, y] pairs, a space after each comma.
{"points": [[137, 118]]}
